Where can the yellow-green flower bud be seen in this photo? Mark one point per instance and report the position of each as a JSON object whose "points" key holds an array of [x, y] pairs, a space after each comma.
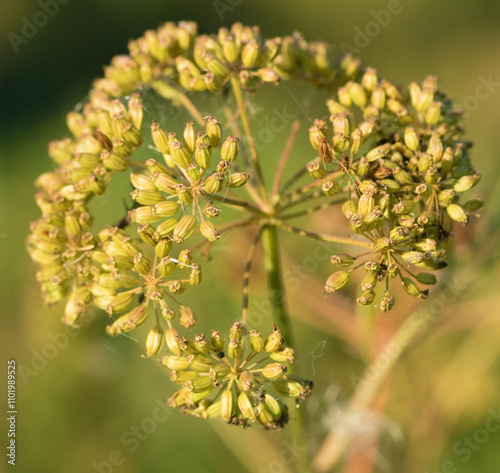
{"points": [[446, 197], [202, 155], [163, 182], [238, 179], [213, 183], [175, 362], [119, 303], [180, 155], [411, 139], [457, 213], [201, 343], [410, 287], [184, 194], [184, 228], [234, 348], [141, 182], [366, 298], [172, 341], [214, 131], [190, 136], [147, 197], [256, 341], [160, 138], [357, 94], [273, 370], [163, 247], [293, 386], [386, 301], [230, 149], [273, 406], [466, 182], [426, 278], [154, 341], [435, 148], [236, 330], [274, 341], [186, 317], [317, 170], [433, 113], [283, 354], [208, 230], [266, 74], [195, 276], [378, 152], [227, 406], [250, 54], [246, 381], [336, 281], [217, 341], [246, 407]]}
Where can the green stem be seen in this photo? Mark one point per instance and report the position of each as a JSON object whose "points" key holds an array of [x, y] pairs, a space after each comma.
{"points": [[337, 441], [272, 265]]}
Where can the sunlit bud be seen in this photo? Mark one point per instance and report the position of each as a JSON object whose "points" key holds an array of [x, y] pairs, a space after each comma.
{"points": [[246, 407], [162, 248], [435, 148], [341, 124], [217, 67], [141, 182], [274, 341], [190, 136], [227, 406], [431, 83], [230, 149], [163, 181], [154, 341], [184, 194], [339, 142], [208, 230], [142, 264], [256, 341], [457, 213], [217, 341], [250, 54], [410, 287], [433, 113], [366, 298], [356, 138], [424, 162], [273, 370], [363, 167], [246, 380], [473, 204], [349, 208], [202, 155], [411, 139], [331, 188], [402, 177], [318, 131], [283, 354], [446, 197], [131, 134], [238, 179], [447, 160], [175, 362], [234, 348], [184, 228], [335, 107], [317, 170], [377, 98], [266, 74], [210, 211], [369, 79], [213, 183], [431, 175], [357, 94], [386, 301], [186, 317], [201, 343], [236, 330], [325, 151], [180, 154], [214, 131], [172, 341], [119, 303], [195, 276], [336, 281], [112, 161], [466, 182], [147, 197], [366, 203], [378, 152]]}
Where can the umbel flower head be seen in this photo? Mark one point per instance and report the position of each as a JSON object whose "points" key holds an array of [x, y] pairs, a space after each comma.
{"points": [[230, 380], [392, 157]]}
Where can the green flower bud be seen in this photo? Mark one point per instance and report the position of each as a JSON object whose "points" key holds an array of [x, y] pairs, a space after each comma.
{"points": [[213, 183], [160, 138], [214, 131], [336, 281], [426, 278], [174, 362], [342, 259], [217, 341], [273, 370], [184, 228], [466, 182], [227, 405], [180, 155], [154, 341], [411, 139], [246, 407], [230, 149], [331, 188], [283, 354], [317, 170], [202, 155], [274, 341], [457, 213], [386, 301], [256, 341], [410, 287], [186, 317], [172, 341]]}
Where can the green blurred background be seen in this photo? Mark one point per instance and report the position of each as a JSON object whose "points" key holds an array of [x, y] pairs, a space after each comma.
{"points": [[80, 406]]}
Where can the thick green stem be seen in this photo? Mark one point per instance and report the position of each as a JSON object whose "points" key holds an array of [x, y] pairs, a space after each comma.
{"points": [[272, 264]]}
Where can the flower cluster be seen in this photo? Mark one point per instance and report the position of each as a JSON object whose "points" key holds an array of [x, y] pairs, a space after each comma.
{"points": [[237, 384], [398, 157]]}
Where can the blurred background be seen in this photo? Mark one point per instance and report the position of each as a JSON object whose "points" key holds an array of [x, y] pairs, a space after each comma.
{"points": [[87, 401]]}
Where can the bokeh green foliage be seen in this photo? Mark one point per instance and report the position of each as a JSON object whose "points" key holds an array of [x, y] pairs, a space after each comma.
{"points": [[75, 410]]}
